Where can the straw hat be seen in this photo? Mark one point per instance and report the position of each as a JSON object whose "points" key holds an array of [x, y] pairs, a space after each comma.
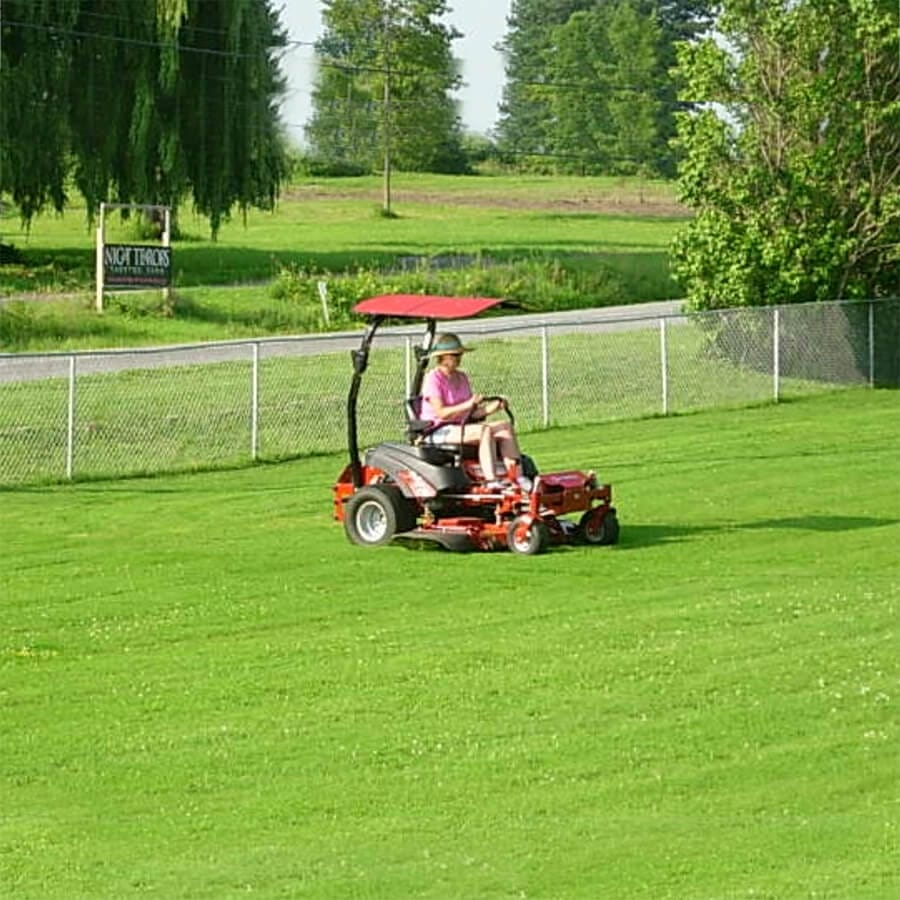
{"points": [[447, 344]]}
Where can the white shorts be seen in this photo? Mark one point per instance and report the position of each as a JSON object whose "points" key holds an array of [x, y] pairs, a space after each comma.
{"points": [[442, 435]]}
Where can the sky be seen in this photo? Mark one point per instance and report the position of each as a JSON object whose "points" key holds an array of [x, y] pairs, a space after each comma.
{"points": [[482, 22]]}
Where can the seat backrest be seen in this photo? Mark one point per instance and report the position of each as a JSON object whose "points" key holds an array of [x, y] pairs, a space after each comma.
{"points": [[413, 408], [416, 428]]}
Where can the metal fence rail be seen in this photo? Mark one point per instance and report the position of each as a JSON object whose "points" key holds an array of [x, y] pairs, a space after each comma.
{"points": [[115, 413]]}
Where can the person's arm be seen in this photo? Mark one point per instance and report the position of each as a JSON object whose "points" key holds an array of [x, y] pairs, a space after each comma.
{"points": [[434, 391], [494, 405], [446, 413]]}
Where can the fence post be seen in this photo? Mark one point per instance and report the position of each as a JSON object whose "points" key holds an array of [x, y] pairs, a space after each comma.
{"points": [[545, 376], [664, 366], [407, 362], [70, 421], [254, 403], [99, 274], [776, 353], [167, 242], [871, 344], [323, 296]]}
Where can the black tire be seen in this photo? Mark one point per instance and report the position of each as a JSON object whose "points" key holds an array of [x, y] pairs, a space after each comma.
{"points": [[405, 508], [375, 513], [529, 467], [527, 537], [599, 527]]}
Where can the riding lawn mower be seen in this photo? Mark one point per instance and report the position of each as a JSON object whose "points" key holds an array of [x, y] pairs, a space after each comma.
{"points": [[416, 490]]}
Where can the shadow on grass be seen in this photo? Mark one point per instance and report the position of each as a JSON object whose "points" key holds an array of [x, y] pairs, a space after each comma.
{"points": [[637, 536], [208, 264], [820, 523], [653, 215]]}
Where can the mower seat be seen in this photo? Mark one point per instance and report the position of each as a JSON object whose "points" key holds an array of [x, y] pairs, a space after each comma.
{"points": [[418, 431], [398, 460]]}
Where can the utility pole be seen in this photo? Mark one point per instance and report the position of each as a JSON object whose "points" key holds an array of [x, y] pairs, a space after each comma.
{"points": [[386, 107], [386, 203]]}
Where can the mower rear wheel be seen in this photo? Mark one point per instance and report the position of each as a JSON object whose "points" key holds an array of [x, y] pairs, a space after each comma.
{"points": [[527, 536], [599, 526], [375, 513]]}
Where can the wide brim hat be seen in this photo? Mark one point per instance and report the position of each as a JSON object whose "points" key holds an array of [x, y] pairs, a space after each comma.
{"points": [[448, 344]]}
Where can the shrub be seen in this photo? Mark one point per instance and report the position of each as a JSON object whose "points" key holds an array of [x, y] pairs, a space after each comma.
{"points": [[306, 166], [539, 284], [16, 325]]}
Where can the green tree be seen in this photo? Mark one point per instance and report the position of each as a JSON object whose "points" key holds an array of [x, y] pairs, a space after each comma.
{"points": [[142, 101], [383, 93], [637, 79], [35, 69], [793, 163], [526, 122], [576, 97], [591, 80], [604, 71], [680, 21]]}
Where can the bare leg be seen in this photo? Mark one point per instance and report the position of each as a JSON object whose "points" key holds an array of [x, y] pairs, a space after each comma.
{"points": [[482, 435], [486, 454], [509, 447]]}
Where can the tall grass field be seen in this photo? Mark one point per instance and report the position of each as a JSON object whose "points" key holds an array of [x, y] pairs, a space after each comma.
{"points": [[208, 692]]}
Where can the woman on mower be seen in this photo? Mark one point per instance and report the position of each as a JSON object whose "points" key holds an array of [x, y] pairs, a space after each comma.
{"points": [[448, 401]]}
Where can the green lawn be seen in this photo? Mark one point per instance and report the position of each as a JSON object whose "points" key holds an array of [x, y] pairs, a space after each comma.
{"points": [[208, 692], [332, 225], [546, 243]]}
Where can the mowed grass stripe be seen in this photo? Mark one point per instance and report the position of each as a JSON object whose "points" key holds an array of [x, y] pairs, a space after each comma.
{"points": [[207, 690]]}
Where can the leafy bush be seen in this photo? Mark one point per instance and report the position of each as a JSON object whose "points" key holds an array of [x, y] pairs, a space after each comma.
{"points": [[306, 166], [67, 271], [141, 304], [9, 254], [16, 325], [538, 284], [25, 324]]}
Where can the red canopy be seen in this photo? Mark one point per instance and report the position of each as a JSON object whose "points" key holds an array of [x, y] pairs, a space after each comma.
{"points": [[424, 306]]}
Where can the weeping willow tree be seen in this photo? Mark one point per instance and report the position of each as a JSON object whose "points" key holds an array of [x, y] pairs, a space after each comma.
{"points": [[141, 101]]}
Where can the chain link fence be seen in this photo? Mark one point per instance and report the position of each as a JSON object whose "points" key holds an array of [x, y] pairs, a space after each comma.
{"points": [[116, 413]]}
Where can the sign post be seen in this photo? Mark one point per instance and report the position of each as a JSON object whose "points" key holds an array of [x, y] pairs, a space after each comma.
{"points": [[133, 266]]}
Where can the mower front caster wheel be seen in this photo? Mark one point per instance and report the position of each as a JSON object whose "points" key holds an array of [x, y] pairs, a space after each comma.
{"points": [[375, 513], [599, 526], [527, 536]]}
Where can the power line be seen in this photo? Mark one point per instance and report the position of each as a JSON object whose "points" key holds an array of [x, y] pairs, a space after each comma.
{"points": [[118, 39], [372, 105], [110, 17], [322, 61]]}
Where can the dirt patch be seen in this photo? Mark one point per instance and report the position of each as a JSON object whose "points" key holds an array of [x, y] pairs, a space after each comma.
{"points": [[630, 202]]}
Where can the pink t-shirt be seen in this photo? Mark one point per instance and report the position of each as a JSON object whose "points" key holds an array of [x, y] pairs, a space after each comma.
{"points": [[449, 391]]}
